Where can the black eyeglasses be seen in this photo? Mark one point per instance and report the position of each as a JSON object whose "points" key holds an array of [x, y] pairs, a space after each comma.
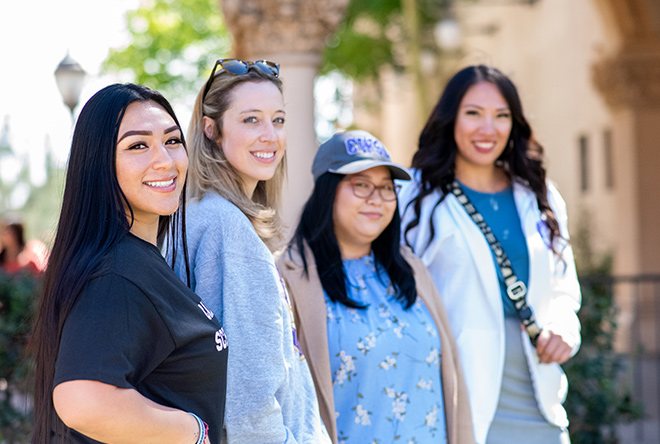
{"points": [[363, 189], [237, 67]]}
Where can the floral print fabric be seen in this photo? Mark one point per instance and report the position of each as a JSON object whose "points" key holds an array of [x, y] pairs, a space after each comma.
{"points": [[385, 364]]}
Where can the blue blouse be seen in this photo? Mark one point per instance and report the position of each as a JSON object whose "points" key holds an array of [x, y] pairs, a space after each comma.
{"points": [[500, 213], [385, 363]]}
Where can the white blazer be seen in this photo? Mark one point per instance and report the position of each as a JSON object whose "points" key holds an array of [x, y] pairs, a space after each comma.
{"points": [[461, 265]]}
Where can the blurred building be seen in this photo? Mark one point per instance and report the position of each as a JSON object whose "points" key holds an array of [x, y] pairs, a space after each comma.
{"points": [[588, 72]]}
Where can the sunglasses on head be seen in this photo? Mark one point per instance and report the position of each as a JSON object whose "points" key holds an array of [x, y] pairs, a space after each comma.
{"points": [[237, 67]]}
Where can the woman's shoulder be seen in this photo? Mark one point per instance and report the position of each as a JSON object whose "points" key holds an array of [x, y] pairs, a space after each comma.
{"points": [[553, 190], [213, 213], [213, 204], [290, 259], [410, 189], [131, 249], [553, 195], [415, 262], [125, 260], [131, 256], [215, 227], [555, 200], [407, 253]]}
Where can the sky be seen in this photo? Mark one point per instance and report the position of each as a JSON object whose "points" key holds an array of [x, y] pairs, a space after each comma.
{"points": [[35, 36]]}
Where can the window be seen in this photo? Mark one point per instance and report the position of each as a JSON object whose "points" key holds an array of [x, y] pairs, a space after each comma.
{"points": [[608, 159], [584, 164]]}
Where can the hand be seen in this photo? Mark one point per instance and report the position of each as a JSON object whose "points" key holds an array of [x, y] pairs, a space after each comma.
{"points": [[551, 347]]}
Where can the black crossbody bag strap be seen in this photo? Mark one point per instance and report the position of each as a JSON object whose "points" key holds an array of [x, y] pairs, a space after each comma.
{"points": [[515, 288]]}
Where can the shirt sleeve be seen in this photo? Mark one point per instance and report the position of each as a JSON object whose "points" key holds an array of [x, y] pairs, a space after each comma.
{"points": [[237, 279], [113, 335]]}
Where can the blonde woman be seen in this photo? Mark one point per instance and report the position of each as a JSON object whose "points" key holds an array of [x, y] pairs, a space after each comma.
{"points": [[237, 144]]}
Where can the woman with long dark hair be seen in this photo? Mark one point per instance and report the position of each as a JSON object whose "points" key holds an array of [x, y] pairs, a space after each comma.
{"points": [[369, 319], [125, 352], [492, 231]]}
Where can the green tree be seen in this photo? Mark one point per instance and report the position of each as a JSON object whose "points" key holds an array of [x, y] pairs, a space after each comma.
{"points": [[376, 33], [379, 33], [173, 45], [361, 43]]}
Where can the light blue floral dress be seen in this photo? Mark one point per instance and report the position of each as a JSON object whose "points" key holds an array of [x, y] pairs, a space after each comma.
{"points": [[385, 364]]}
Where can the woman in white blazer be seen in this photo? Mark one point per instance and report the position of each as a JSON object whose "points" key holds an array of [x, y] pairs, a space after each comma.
{"points": [[477, 136]]}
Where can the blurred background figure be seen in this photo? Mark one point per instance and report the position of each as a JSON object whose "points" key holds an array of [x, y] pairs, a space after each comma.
{"points": [[479, 212], [37, 253], [16, 254]]}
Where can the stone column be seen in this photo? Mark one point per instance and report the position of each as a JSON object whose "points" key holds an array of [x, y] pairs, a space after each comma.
{"points": [[630, 84], [292, 33]]}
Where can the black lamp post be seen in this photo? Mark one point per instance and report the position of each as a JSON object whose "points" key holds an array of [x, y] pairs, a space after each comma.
{"points": [[69, 77]]}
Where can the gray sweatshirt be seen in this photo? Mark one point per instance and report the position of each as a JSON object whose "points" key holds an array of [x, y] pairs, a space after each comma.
{"points": [[270, 393]]}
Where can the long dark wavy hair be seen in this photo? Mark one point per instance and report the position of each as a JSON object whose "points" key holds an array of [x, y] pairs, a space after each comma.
{"points": [[93, 219], [316, 229], [435, 159]]}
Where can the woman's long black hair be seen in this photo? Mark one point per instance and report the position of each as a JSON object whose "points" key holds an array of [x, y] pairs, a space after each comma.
{"points": [[435, 159], [316, 229], [92, 221]]}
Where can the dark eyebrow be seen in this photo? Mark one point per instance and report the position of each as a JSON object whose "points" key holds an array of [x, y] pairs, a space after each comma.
{"points": [[145, 133], [134, 133]]}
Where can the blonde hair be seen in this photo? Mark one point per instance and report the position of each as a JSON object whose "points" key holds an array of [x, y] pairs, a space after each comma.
{"points": [[210, 171]]}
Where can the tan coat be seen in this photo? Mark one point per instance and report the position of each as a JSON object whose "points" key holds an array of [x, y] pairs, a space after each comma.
{"points": [[310, 316]]}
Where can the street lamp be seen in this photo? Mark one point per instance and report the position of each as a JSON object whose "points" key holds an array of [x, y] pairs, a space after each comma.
{"points": [[69, 77]]}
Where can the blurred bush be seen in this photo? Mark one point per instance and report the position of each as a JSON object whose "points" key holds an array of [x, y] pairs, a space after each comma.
{"points": [[19, 294], [598, 400]]}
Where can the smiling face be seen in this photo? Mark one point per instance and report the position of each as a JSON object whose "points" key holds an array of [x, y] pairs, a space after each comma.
{"points": [[151, 165], [253, 135], [359, 221], [482, 128]]}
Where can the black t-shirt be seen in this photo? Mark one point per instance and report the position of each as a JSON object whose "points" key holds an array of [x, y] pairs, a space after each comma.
{"points": [[137, 325]]}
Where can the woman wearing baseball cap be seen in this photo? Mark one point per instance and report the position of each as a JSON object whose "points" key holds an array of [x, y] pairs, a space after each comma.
{"points": [[369, 319]]}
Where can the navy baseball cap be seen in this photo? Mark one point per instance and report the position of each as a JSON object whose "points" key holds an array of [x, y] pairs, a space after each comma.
{"points": [[353, 151]]}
